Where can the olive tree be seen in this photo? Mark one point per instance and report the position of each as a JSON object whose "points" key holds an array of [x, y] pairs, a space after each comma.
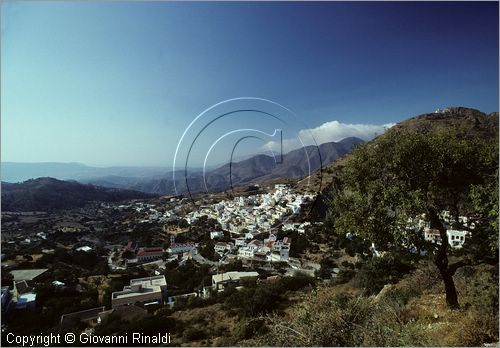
{"points": [[404, 175]]}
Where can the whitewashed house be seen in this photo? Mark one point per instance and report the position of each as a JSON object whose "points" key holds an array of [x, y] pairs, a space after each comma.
{"points": [[221, 247], [456, 238], [240, 242], [246, 252], [216, 234]]}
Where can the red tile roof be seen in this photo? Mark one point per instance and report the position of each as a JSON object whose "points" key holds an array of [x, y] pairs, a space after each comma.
{"points": [[150, 251]]}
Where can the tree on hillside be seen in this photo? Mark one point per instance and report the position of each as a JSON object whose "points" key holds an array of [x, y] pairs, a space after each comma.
{"points": [[406, 174]]}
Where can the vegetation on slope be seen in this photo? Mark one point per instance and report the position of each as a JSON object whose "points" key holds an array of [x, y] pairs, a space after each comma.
{"points": [[410, 313], [408, 173], [47, 194]]}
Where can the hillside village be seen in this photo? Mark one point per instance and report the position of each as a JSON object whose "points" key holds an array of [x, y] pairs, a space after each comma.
{"points": [[255, 231], [110, 267], [250, 229]]}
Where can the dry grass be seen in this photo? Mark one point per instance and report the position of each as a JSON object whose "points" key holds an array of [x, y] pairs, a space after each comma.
{"points": [[213, 320]]}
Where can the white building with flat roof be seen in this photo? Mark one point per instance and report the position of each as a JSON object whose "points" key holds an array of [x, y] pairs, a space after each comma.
{"points": [[216, 234], [148, 290], [220, 281]]}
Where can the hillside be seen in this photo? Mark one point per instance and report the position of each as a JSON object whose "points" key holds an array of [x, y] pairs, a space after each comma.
{"points": [[394, 299], [474, 122], [296, 164], [48, 194], [21, 171], [158, 180]]}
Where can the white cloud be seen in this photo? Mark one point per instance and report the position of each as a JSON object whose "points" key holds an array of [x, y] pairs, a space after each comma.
{"points": [[330, 131]]}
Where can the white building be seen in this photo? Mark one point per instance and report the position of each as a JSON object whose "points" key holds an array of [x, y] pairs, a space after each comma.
{"points": [[216, 234], [246, 252], [221, 247], [240, 242], [180, 248], [456, 238], [149, 290], [220, 281], [254, 245], [252, 234]]}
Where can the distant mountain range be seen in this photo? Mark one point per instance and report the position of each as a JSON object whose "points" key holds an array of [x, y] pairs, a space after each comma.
{"points": [[21, 171], [49, 194], [124, 183], [159, 180], [296, 165]]}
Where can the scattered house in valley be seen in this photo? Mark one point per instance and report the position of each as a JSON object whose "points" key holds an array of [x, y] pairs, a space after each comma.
{"points": [[23, 293], [456, 238], [432, 235], [260, 255], [240, 242], [249, 250], [281, 244], [149, 254], [84, 248], [149, 290], [24, 296], [42, 235], [58, 284], [132, 246], [253, 234], [281, 255], [290, 226], [28, 274], [141, 255], [269, 250], [245, 252], [272, 238], [254, 244], [216, 234], [221, 247], [222, 280], [180, 248]]}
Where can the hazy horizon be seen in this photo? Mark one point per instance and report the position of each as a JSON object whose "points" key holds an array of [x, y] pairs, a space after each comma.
{"points": [[167, 167]]}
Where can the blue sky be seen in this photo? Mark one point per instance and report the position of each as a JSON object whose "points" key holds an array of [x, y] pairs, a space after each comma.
{"points": [[118, 83]]}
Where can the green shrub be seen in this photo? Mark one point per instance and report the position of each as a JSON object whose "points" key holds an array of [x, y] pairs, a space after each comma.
{"points": [[377, 272], [252, 302], [297, 282]]}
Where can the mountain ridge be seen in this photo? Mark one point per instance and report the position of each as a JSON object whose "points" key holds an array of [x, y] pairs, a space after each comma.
{"points": [[50, 194], [473, 121], [159, 179]]}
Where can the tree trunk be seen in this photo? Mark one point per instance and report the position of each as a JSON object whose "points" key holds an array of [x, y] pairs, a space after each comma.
{"points": [[441, 261], [449, 287]]}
